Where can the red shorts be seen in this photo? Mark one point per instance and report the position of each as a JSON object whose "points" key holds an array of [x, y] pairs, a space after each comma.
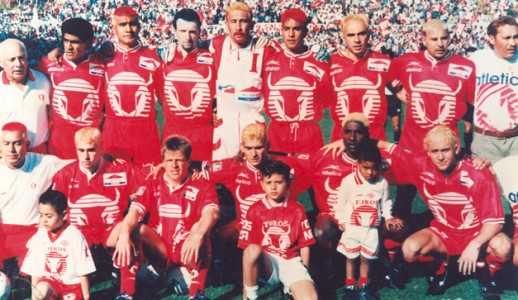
{"points": [[455, 241], [132, 140], [64, 291], [295, 137], [97, 235], [376, 131], [200, 137], [61, 141], [13, 241]]}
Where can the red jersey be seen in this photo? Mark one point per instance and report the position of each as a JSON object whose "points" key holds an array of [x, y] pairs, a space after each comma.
{"points": [[463, 200], [359, 86], [279, 229], [175, 210], [438, 90]]}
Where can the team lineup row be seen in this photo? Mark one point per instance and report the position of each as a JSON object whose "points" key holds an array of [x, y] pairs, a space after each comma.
{"points": [[245, 74]]}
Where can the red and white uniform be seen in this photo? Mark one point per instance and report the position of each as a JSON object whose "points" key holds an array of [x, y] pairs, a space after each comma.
{"points": [[238, 92], [296, 89], [175, 210], [189, 89], [132, 79], [438, 90], [77, 101], [461, 202], [359, 86], [505, 171], [96, 201], [281, 229], [27, 105], [60, 259]]}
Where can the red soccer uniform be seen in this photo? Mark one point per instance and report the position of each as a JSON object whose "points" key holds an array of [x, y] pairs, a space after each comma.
{"points": [[132, 79], [77, 101], [359, 87], [188, 93], [281, 230], [438, 90], [96, 203], [296, 89]]}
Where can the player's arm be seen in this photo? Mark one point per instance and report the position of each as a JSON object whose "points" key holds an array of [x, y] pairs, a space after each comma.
{"points": [[124, 249], [468, 258], [36, 294], [341, 204], [85, 287], [305, 256], [193, 243]]}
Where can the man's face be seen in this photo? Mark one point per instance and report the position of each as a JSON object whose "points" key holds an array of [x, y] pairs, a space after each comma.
{"points": [[254, 151], [187, 34], [239, 25], [126, 30], [14, 148], [293, 34], [369, 170], [88, 155], [15, 63], [75, 48], [436, 42], [442, 154], [176, 166], [356, 37], [353, 134], [505, 42], [275, 187]]}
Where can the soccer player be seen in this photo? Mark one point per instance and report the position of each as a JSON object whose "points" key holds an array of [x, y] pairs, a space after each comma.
{"points": [[24, 176], [359, 77], [276, 237], [98, 193], [296, 89], [182, 211], [24, 94], [58, 258], [189, 88], [466, 206], [363, 201], [133, 76], [496, 101], [78, 93]]}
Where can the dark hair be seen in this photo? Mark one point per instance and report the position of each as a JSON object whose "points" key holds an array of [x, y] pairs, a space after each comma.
{"points": [[177, 143], [470, 49], [492, 29], [188, 15], [271, 167], [56, 199], [368, 151], [78, 27]]}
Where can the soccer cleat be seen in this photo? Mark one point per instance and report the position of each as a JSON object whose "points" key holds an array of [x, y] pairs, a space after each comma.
{"points": [[368, 293], [350, 293], [397, 279], [437, 284], [124, 296]]}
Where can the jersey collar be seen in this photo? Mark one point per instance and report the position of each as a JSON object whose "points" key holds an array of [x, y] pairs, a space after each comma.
{"points": [[344, 54], [54, 237], [130, 50], [292, 55], [271, 205], [434, 61], [5, 80]]}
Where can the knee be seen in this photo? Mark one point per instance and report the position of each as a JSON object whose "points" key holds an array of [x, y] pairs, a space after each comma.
{"points": [[500, 246], [252, 253], [410, 249], [325, 232]]}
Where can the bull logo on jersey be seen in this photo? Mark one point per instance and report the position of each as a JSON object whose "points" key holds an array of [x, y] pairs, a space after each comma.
{"points": [[95, 209], [501, 100], [276, 235], [303, 108], [365, 214], [427, 115], [194, 103], [245, 203], [75, 100], [141, 101], [371, 99], [332, 199], [56, 263], [452, 209]]}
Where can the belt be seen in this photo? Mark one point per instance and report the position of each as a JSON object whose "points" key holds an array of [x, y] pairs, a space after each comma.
{"points": [[501, 135]]}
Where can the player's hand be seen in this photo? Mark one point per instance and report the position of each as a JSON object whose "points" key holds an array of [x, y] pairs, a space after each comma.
{"points": [[196, 174], [155, 170], [191, 248], [341, 226], [321, 53], [167, 52], [394, 224], [468, 259], [403, 96], [337, 147], [55, 56], [480, 162], [124, 252]]}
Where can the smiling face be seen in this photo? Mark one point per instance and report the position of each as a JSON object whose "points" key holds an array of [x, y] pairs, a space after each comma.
{"points": [[126, 30], [275, 186], [505, 41], [293, 34]]}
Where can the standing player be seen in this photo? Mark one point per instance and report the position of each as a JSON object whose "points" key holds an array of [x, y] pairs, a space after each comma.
{"points": [[78, 88], [466, 206], [276, 237], [359, 78], [58, 258], [133, 76], [496, 102], [183, 211], [24, 94], [189, 88], [296, 89]]}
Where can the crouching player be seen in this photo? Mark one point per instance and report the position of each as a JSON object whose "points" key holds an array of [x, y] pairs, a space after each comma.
{"points": [[58, 258], [363, 200], [276, 236]]}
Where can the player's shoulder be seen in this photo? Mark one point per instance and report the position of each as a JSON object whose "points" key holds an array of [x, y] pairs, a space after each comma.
{"points": [[39, 77], [482, 54], [459, 59]]}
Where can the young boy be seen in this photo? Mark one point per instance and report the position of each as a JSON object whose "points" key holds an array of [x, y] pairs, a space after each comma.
{"points": [[276, 236], [58, 258], [363, 200]]}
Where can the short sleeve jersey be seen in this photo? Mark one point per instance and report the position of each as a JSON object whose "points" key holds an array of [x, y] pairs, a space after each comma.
{"points": [[279, 229]]}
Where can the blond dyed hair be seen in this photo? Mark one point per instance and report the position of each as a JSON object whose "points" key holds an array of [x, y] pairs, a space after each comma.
{"points": [[239, 6], [89, 135], [441, 131], [354, 17], [254, 132], [356, 117], [435, 24]]}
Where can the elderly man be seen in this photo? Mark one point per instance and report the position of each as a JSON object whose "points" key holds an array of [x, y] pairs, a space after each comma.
{"points": [[24, 94]]}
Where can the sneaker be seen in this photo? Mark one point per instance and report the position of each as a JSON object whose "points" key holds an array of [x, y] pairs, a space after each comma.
{"points": [[436, 285], [350, 293], [199, 296], [124, 296], [397, 279], [368, 293]]}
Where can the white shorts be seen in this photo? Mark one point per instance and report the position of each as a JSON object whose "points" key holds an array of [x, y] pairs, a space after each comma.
{"points": [[287, 271], [358, 240]]}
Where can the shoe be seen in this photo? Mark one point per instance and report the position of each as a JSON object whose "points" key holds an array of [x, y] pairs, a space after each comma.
{"points": [[350, 293], [437, 284], [286, 296], [116, 277], [490, 290], [397, 279], [199, 296], [368, 293], [124, 296]]}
